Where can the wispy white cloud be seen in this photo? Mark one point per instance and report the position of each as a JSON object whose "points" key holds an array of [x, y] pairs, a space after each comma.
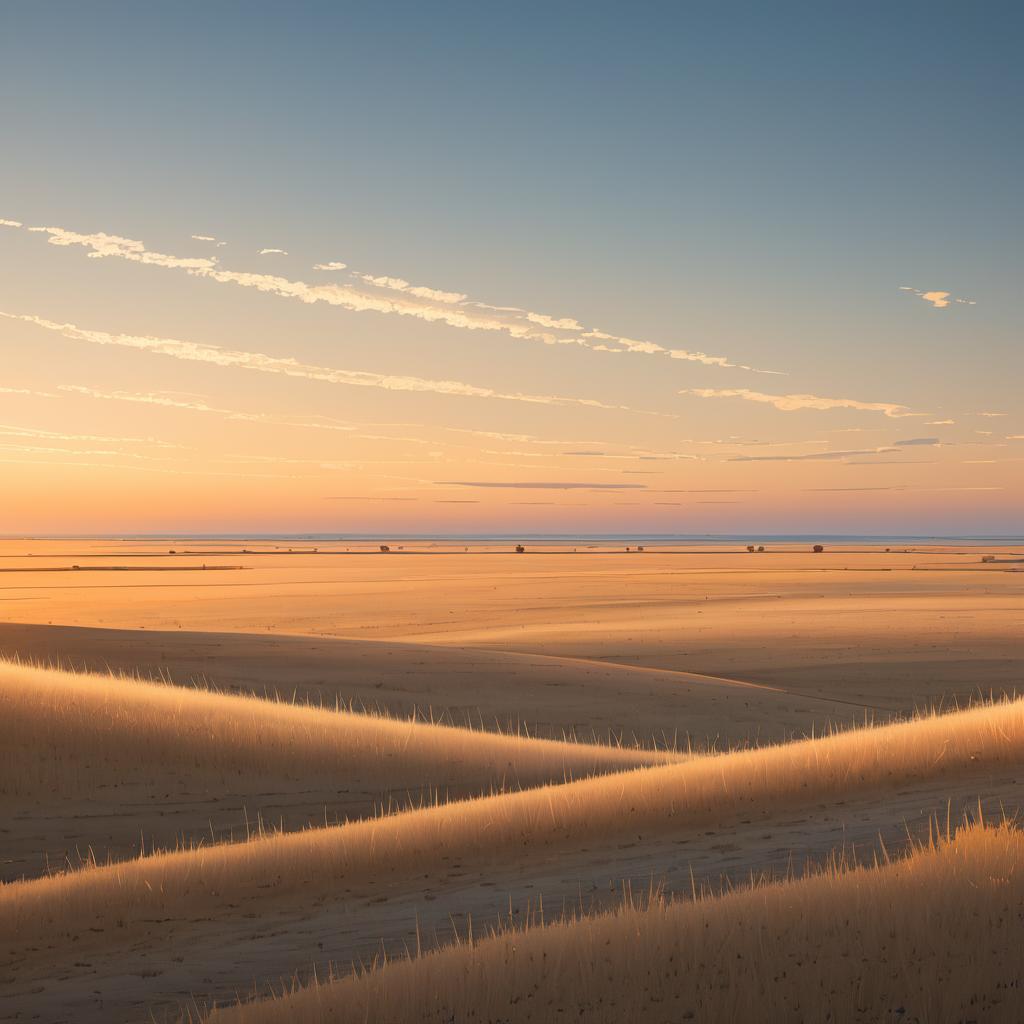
{"points": [[826, 489], [334, 265], [635, 455], [940, 423], [214, 355], [87, 462], [364, 497], [391, 295], [272, 252], [27, 391], [104, 246], [940, 300], [360, 431], [558, 324], [37, 449], [9, 430], [990, 415], [209, 238], [10, 223], [791, 403], [397, 284], [813, 456], [544, 485]]}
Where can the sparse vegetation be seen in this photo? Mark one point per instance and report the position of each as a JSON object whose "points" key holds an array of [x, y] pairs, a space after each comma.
{"points": [[933, 936], [65, 733], [490, 830]]}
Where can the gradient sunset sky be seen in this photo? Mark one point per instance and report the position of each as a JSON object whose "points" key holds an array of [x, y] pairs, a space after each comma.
{"points": [[547, 268]]}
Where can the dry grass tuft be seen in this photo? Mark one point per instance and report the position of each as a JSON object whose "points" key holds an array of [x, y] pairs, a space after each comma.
{"points": [[934, 936], [66, 734], [488, 831]]}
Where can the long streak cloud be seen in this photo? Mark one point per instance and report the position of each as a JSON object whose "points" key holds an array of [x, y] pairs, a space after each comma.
{"points": [[388, 295], [791, 403], [214, 355]]}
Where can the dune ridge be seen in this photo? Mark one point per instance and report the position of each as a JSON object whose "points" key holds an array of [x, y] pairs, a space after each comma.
{"points": [[63, 732], [104, 900], [932, 936]]}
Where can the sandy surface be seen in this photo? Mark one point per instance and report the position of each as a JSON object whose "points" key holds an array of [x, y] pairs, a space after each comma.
{"points": [[714, 643], [246, 947], [860, 624]]}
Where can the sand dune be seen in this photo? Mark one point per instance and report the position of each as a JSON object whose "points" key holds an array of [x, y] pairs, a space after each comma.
{"points": [[930, 937], [50, 718], [726, 649], [158, 765], [639, 804], [547, 696], [886, 628]]}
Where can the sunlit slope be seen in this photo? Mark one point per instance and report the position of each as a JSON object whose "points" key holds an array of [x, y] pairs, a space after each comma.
{"points": [[62, 732], [107, 766], [551, 697], [932, 937], [510, 827]]}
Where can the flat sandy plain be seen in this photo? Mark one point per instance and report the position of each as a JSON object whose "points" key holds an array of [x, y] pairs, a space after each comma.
{"points": [[667, 653]]}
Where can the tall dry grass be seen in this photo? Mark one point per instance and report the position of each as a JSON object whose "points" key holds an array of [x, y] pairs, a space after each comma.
{"points": [[487, 832], [68, 734], [935, 937]]}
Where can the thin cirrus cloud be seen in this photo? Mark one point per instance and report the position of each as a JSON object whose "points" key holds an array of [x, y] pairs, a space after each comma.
{"points": [[634, 456], [364, 497], [34, 449], [333, 265], [939, 300], [25, 391], [813, 457], [397, 284], [7, 430], [208, 238], [175, 400], [914, 441], [388, 295], [214, 355], [272, 252], [791, 403], [543, 485]]}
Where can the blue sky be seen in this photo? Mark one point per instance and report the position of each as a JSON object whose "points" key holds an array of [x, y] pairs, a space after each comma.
{"points": [[748, 179]]}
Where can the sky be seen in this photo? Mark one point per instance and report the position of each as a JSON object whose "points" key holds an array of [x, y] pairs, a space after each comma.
{"points": [[475, 268]]}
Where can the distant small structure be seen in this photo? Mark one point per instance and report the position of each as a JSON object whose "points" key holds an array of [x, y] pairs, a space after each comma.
{"points": [[172, 552], [384, 549], [760, 547], [988, 558], [750, 547], [639, 547], [520, 549], [818, 548]]}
